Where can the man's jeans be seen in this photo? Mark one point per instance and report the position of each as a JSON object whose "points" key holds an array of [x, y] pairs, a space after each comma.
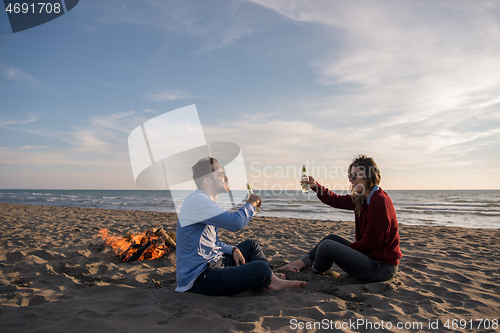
{"points": [[335, 249], [224, 278]]}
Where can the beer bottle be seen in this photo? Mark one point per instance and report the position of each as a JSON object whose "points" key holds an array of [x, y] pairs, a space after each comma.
{"points": [[304, 180], [250, 191]]}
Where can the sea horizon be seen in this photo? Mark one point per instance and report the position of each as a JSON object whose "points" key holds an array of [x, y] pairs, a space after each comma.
{"points": [[456, 208]]}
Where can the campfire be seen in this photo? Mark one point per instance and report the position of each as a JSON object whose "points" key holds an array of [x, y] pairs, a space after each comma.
{"points": [[140, 246]]}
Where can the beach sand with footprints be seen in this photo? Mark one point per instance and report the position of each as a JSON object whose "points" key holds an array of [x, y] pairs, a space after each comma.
{"points": [[57, 275]]}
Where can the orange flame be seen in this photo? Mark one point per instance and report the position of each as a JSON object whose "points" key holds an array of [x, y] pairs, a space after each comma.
{"points": [[135, 246]]}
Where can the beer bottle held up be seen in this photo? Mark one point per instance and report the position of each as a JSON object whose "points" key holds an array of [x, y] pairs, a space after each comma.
{"points": [[250, 191], [304, 180]]}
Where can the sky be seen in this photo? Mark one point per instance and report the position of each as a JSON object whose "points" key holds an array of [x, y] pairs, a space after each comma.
{"points": [[413, 84]]}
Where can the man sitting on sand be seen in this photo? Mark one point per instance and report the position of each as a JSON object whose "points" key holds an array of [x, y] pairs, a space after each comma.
{"points": [[206, 265]]}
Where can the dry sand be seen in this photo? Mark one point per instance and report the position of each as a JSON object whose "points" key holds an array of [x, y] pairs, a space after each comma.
{"points": [[56, 275]]}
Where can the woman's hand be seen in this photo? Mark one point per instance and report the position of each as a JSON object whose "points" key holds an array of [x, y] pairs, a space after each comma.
{"points": [[312, 183]]}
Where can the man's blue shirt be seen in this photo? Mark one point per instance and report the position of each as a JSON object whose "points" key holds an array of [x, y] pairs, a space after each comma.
{"points": [[197, 235]]}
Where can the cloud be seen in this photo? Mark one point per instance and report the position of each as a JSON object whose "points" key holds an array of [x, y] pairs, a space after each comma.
{"points": [[16, 74], [272, 141], [382, 43], [102, 134], [169, 95], [217, 24], [107, 134], [409, 78], [26, 157], [123, 122], [91, 155], [85, 140], [34, 147], [6, 123]]}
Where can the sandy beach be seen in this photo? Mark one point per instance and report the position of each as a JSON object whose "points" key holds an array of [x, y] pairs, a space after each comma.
{"points": [[56, 275]]}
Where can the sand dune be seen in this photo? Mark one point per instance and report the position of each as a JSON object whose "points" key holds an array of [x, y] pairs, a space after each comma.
{"points": [[56, 275]]}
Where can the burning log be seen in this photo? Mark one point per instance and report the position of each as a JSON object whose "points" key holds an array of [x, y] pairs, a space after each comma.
{"points": [[135, 255], [140, 246], [166, 237]]}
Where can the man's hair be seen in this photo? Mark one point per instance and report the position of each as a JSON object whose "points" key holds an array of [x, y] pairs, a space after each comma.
{"points": [[203, 168]]}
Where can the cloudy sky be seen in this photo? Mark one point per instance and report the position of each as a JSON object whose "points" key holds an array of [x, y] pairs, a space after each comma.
{"points": [[413, 84]]}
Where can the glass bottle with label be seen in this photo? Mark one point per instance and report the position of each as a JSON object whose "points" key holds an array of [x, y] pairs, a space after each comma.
{"points": [[250, 191], [304, 180]]}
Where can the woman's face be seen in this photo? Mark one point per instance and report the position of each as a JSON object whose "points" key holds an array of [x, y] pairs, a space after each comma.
{"points": [[358, 180]]}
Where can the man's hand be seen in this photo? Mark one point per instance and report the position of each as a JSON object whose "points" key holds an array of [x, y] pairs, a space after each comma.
{"points": [[254, 199], [238, 257]]}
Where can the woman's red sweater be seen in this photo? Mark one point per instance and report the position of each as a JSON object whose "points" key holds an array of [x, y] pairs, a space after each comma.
{"points": [[377, 233]]}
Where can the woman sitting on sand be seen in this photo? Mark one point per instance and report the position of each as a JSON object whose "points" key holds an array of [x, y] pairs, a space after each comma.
{"points": [[374, 256]]}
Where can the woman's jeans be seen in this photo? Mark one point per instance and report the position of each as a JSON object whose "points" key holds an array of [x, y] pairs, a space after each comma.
{"points": [[335, 249], [224, 278]]}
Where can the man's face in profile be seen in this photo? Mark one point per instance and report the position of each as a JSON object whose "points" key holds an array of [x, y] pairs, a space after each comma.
{"points": [[219, 180]]}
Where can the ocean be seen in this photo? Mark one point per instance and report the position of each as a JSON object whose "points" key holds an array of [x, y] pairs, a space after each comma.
{"points": [[454, 208]]}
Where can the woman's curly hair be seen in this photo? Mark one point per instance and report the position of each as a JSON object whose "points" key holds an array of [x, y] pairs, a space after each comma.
{"points": [[372, 173]]}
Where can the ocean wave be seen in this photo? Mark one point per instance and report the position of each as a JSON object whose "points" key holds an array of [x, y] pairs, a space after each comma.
{"points": [[287, 210], [487, 213], [469, 208], [449, 208], [478, 205], [281, 204], [448, 212], [473, 201]]}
